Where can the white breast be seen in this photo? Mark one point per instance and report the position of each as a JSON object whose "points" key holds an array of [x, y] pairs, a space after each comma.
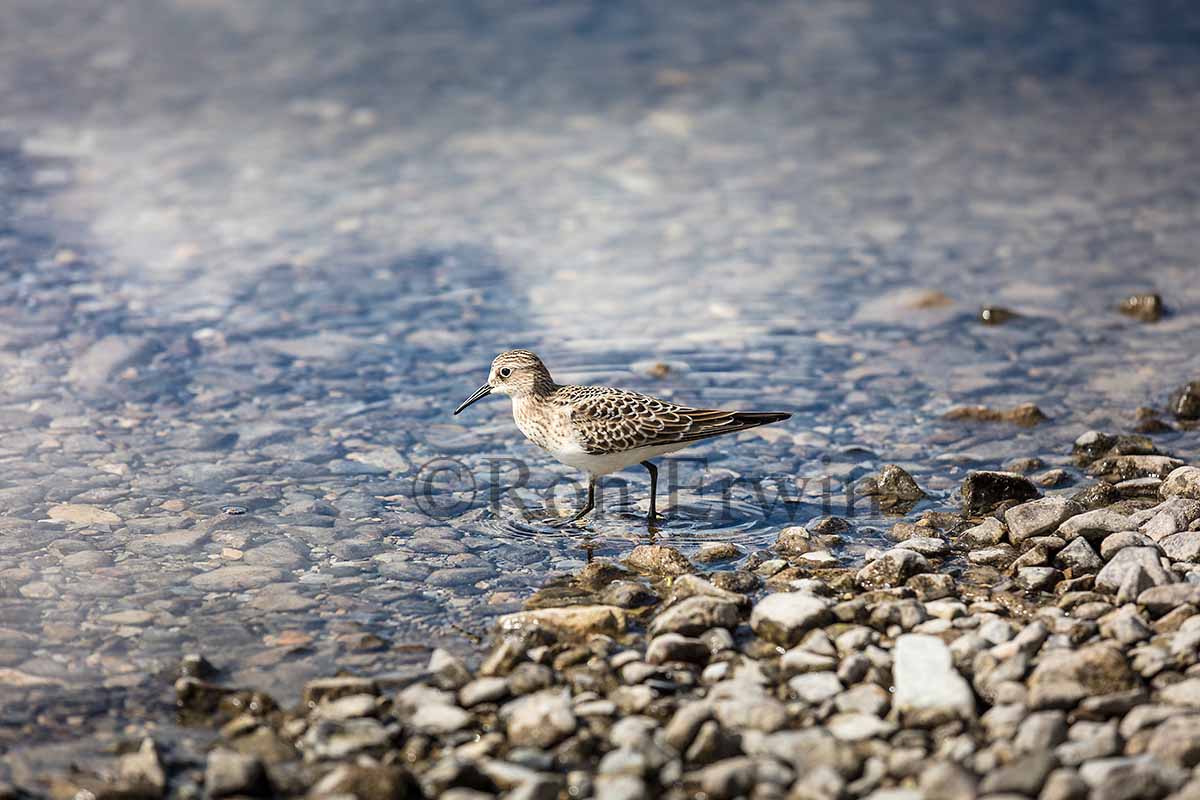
{"points": [[612, 462]]}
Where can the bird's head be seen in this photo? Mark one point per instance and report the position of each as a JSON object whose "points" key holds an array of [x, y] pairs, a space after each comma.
{"points": [[516, 373]]}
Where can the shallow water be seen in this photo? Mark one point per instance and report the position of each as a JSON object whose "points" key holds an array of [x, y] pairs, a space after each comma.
{"points": [[257, 254]]}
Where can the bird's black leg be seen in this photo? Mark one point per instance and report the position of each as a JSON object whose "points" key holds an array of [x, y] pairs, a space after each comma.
{"points": [[653, 470], [591, 503]]}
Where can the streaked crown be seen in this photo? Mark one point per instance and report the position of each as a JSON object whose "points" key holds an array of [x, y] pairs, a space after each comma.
{"points": [[520, 372]]}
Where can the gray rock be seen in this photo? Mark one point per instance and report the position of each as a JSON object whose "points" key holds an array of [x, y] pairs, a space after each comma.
{"points": [[859, 727], [439, 719], [1124, 564], [1182, 482], [1182, 546], [694, 615], [1176, 741], [1038, 579], [929, 690], [1038, 517], [1159, 600], [892, 568], [1095, 525], [685, 586], [893, 485], [945, 780], [367, 782], [1126, 626], [728, 779], [1024, 776], [713, 552], [230, 773], [1079, 557], [999, 556], [1171, 516], [1115, 469], [236, 578], [748, 707], [988, 533], [1064, 677], [332, 740], [1116, 542], [931, 586], [1131, 778], [807, 750], [1184, 693], [541, 719], [685, 724], [794, 540], [621, 787], [348, 707], [143, 768], [1064, 784], [1041, 731], [815, 687], [799, 661], [447, 670], [659, 560], [785, 617], [483, 690], [669, 647], [928, 546]]}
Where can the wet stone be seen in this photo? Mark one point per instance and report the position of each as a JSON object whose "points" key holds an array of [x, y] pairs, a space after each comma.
{"points": [[892, 568], [1026, 415], [715, 552], [894, 487], [652, 559], [983, 491], [1184, 402]]}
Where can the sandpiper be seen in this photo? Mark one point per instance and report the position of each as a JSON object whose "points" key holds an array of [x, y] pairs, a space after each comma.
{"points": [[599, 429]]}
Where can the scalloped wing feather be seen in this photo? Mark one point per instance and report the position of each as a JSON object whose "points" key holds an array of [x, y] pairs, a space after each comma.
{"points": [[614, 420]]}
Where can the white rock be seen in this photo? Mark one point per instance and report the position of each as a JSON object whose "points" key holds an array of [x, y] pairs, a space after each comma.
{"points": [[929, 690]]}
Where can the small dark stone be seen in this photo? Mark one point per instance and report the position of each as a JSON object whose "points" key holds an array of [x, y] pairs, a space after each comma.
{"points": [[895, 488], [996, 315], [194, 665], [1185, 401], [1098, 495], [1146, 307], [1026, 415], [1094, 444], [739, 581], [983, 491]]}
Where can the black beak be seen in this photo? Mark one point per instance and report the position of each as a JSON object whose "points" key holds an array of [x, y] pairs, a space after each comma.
{"points": [[478, 394]]}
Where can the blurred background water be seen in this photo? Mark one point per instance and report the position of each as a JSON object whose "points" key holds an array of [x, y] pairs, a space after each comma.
{"points": [[254, 253]]}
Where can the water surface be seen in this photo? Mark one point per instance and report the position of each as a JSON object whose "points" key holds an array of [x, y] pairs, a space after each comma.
{"points": [[255, 254]]}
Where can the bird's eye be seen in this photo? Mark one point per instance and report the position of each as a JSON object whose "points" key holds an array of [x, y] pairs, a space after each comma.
{"points": [[505, 372]]}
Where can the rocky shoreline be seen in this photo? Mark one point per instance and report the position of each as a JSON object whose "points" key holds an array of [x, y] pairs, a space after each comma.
{"points": [[1027, 646]]}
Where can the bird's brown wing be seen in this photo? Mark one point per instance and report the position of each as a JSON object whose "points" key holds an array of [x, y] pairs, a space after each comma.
{"points": [[614, 420]]}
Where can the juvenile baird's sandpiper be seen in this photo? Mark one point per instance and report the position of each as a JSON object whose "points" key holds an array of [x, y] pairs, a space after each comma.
{"points": [[599, 429]]}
